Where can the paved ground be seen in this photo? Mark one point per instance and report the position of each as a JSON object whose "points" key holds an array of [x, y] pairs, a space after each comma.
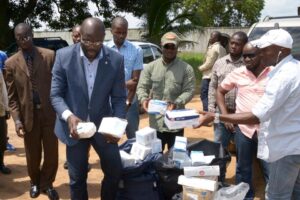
{"points": [[16, 185]]}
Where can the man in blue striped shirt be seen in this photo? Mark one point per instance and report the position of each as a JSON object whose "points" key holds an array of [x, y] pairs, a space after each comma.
{"points": [[133, 64]]}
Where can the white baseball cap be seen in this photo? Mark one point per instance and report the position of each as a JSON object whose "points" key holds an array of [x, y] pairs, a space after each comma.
{"points": [[278, 37]]}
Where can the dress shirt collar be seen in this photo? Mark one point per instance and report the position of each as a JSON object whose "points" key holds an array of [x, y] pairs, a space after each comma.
{"points": [[229, 60], [112, 44], [99, 56]]}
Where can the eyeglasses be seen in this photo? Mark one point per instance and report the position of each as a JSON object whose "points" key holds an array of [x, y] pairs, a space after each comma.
{"points": [[172, 47], [24, 38], [249, 55], [89, 43]]}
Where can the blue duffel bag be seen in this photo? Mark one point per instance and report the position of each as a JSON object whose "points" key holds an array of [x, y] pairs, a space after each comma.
{"points": [[139, 181]]}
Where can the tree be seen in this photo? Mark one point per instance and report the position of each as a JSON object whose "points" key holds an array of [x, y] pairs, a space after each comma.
{"points": [[56, 14], [226, 12]]}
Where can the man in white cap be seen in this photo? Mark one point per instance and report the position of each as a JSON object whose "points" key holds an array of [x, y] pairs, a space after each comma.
{"points": [[278, 112]]}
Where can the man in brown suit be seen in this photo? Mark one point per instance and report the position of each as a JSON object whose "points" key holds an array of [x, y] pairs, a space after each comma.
{"points": [[28, 78]]}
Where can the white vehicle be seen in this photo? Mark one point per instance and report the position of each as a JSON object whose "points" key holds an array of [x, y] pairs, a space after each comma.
{"points": [[150, 51], [289, 23]]}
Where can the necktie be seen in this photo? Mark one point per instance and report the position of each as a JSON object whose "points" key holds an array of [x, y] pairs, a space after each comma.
{"points": [[29, 61]]}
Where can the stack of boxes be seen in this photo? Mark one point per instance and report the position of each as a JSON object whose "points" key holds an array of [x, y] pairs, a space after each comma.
{"points": [[146, 143]]}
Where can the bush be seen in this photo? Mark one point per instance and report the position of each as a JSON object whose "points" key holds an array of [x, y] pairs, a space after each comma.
{"points": [[195, 60]]}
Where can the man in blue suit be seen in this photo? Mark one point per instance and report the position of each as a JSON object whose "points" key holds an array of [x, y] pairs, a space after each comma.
{"points": [[88, 84]]}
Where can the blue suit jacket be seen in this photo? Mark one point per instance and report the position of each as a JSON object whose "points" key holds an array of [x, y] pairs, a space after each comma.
{"points": [[69, 89]]}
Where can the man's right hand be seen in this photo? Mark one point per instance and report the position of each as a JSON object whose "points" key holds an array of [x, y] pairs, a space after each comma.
{"points": [[72, 123], [20, 129], [145, 104]]}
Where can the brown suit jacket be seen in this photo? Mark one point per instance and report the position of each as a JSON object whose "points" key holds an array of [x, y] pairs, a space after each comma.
{"points": [[19, 86]]}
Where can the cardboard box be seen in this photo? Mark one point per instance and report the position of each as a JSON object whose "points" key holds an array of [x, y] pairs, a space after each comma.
{"points": [[145, 136], [197, 157], [202, 171], [180, 144], [157, 107], [156, 146], [113, 126], [198, 183], [190, 193], [127, 159], [178, 119], [140, 151]]}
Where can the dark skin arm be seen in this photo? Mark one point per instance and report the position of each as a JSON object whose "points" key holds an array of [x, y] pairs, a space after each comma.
{"points": [[237, 118], [220, 96], [131, 85]]}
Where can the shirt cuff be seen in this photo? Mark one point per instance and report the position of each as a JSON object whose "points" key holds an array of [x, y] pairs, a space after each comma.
{"points": [[66, 114], [256, 111]]}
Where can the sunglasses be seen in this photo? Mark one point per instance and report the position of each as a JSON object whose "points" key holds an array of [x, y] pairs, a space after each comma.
{"points": [[89, 43], [249, 55], [169, 46]]}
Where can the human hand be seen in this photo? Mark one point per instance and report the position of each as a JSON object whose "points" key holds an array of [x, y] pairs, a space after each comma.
{"points": [[229, 126], [145, 104], [131, 84], [19, 129], [171, 106], [72, 124], [205, 118], [110, 138]]}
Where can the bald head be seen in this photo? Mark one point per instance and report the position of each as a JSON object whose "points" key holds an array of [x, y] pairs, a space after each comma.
{"points": [[119, 21], [92, 25], [23, 35], [22, 27], [92, 36]]}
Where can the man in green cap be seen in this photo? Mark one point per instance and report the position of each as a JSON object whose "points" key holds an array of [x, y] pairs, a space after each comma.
{"points": [[169, 79]]}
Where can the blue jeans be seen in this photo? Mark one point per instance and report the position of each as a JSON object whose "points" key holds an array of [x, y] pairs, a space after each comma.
{"points": [[284, 178], [204, 93], [246, 150], [133, 119], [222, 135]]}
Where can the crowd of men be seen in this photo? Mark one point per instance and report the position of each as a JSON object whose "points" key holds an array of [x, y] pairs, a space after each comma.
{"points": [[250, 94]]}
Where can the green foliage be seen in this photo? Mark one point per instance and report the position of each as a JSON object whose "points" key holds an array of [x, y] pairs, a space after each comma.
{"points": [[226, 12], [195, 60]]}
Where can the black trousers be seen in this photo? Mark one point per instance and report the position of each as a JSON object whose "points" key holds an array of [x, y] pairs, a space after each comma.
{"points": [[3, 134], [169, 138]]}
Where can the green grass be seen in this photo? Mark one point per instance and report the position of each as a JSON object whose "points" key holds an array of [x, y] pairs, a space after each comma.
{"points": [[195, 60]]}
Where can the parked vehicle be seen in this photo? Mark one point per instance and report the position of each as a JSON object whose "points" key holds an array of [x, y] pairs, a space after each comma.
{"points": [[150, 51], [289, 23], [53, 43]]}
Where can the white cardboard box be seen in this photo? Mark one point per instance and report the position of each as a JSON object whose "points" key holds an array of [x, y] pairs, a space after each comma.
{"points": [[145, 136], [156, 146], [113, 126], [178, 119], [127, 159], [180, 143], [157, 107], [197, 157], [213, 170], [198, 183], [140, 151]]}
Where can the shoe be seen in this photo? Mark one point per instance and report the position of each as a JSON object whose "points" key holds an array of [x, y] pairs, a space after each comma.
{"points": [[34, 191], [10, 147], [52, 194], [66, 165], [4, 169]]}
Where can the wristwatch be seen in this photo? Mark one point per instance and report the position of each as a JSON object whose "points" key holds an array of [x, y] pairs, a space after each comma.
{"points": [[217, 118], [128, 103]]}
